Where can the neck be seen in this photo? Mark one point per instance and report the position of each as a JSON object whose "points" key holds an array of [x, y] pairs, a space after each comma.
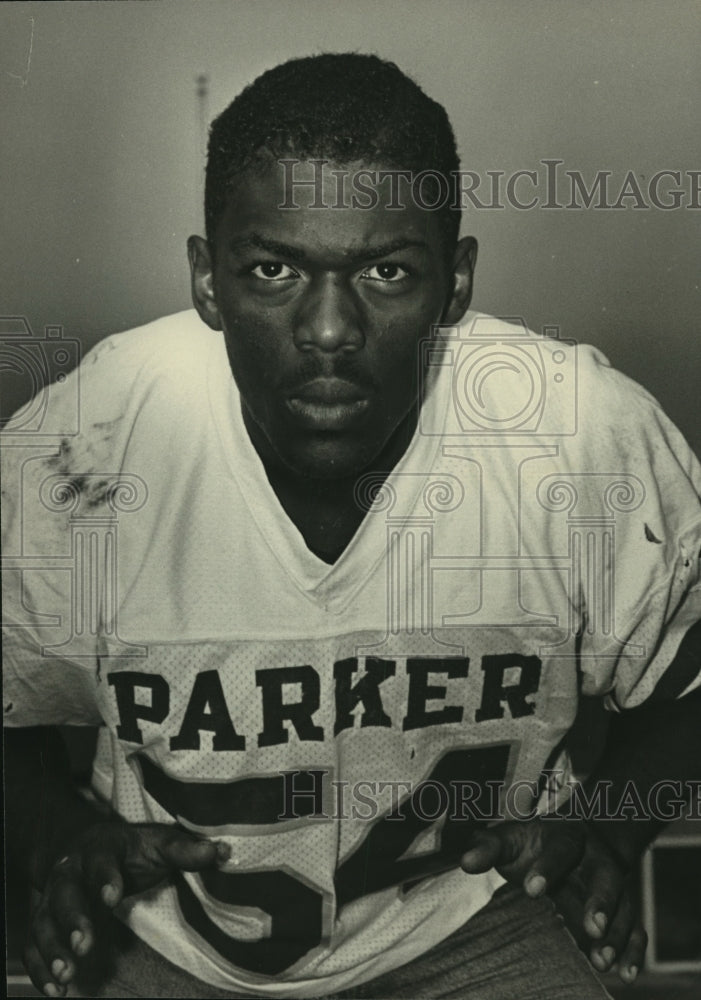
{"points": [[326, 511]]}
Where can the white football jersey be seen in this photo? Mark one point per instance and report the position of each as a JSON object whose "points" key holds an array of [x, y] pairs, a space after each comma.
{"points": [[344, 728]]}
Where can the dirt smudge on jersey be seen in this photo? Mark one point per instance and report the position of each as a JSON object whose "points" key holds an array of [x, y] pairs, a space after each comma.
{"points": [[651, 536], [84, 461]]}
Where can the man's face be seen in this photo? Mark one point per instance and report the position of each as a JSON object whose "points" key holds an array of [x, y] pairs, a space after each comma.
{"points": [[322, 311]]}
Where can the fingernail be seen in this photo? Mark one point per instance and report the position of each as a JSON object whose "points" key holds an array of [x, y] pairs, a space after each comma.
{"points": [[633, 972], [57, 967], [82, 937], [50, 990], [608, 953], [65, 976], [598, 961], [223, 850], [110, 894], [600, 921], [536, 885]]}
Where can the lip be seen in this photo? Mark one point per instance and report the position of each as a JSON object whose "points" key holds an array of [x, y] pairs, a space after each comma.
{"points": [[328, 404], [326, 390]]}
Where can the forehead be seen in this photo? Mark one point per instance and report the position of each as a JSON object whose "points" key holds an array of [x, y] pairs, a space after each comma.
{"points": [[326, 209]]}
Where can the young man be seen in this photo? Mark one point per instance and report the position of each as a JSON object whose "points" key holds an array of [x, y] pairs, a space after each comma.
{"points": [[334, 613]]}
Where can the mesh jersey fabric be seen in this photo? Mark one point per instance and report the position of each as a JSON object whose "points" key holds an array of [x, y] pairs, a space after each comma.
{"points": [[340, 726]]}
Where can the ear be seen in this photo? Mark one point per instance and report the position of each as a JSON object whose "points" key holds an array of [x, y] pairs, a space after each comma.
{"points": [[464, 261], [202, 281]]}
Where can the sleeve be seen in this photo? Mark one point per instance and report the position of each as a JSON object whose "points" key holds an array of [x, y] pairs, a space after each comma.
{"points": [[641, 637], [57, 454]]}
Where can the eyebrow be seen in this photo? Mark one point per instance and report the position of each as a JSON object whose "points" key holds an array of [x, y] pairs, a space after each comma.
{"points": [[258, 242]]}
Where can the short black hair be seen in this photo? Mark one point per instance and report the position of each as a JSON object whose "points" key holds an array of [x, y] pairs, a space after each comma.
{"points": [[337, 106]]}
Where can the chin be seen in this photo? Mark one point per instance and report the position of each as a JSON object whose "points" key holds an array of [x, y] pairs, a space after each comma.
{"points": [[329, 462]]}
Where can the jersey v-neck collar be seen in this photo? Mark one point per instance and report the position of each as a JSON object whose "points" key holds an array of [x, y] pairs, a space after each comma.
{"points": [[330, 586]]}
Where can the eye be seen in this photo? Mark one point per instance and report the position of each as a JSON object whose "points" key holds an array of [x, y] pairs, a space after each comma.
{"points": [[385, 272], [273, 270]]}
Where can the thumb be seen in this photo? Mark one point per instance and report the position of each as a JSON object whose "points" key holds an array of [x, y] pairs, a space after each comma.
{"points": [[187, 852], [485, 853], [561, 852]]}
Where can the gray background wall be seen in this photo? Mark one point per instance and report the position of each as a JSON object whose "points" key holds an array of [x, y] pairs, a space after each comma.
{"points": [[102, 154]]}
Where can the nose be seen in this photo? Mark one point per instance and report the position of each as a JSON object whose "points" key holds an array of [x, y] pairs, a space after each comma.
{"points": [[329, 319]]}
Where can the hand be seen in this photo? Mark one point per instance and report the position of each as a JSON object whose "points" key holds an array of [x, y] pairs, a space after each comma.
{"points": [[589, 884], [106, 863]]}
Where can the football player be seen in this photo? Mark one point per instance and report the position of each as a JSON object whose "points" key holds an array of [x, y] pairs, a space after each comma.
{"points": [[331, 560]]}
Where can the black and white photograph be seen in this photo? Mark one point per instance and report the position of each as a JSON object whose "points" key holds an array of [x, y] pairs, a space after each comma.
{"points": [[350, 364]]}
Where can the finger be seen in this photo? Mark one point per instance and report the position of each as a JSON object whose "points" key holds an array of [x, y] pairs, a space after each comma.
{"points": [[484, 854], [606, 951], [70, 909], [53, 950], [40, 974], [562, 850], [633, 955], [104, 877], [186, 852], [605, 884]]}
